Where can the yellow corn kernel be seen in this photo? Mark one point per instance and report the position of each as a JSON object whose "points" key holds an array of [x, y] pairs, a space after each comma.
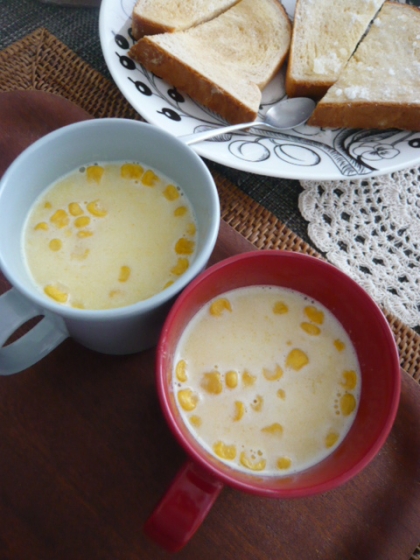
{"points": [[349, 380], [275, 429], [231, 379], [79, 255], [56, 294], [180, 211], [277, 373], [339, 344], [180, 267], [310, 329], [41, 226], [257, 403], [315, 315], [191, 229], [239, 411], [181, 371], [77, 305], [280, 308], [114, 293], [212, 383], [84, 233], [281, 393], [284, 463], [94, 173], [169, 283], [184, 246], [171, 193], [131, 171], [55, 244], [195, 421], [125, 272], [187, 399], [48, 205], [60, 218], [331, 439], [82, 221], [150, 178], [219, 306], [297, 359], [227, 452], [248, 379], [96, 209], [252, 463], [347, 404], [75, 209]]}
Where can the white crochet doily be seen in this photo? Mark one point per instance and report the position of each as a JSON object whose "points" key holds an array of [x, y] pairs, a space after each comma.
{"points": [[370, 229]]}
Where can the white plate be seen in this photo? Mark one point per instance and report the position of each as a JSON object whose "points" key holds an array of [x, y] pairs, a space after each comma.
{"points": [[305, 153]]}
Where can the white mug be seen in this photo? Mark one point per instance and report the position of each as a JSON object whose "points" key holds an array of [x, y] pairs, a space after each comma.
{"points": [[122, 330]]}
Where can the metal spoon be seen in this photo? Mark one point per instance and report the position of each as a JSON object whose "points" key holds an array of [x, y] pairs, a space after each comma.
{"points": [[285, 114]]}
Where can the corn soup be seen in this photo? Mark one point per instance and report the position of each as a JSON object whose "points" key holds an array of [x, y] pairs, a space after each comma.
{"points": [[266, 380], [109, 235]]}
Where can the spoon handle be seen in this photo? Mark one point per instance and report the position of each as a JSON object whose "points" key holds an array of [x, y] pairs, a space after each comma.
{"points": [[211, 132]]}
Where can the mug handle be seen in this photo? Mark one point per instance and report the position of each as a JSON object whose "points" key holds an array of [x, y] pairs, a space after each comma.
{"points": [[184, 507], [15, 310]]}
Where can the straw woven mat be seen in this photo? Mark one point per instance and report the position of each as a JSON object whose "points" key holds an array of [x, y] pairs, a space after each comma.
{"points": [[40, 61]]}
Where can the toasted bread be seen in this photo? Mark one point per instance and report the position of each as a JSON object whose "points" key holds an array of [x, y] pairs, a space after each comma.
{"points": [[224, 63], [160, 16], [325, 35], [380, 85]]}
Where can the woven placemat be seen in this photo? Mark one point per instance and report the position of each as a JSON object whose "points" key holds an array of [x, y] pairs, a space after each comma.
{"points": [[40, 61]]}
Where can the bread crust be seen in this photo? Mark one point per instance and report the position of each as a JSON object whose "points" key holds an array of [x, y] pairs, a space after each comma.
{"points": [[366, 115], [296, 88], [186, 79], [142, 26]]}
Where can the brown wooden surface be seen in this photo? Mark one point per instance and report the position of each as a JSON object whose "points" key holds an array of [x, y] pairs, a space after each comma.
{"points": [[85, 454]]}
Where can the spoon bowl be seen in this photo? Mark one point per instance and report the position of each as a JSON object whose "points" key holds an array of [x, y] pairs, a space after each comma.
{"points": [[285, 114]]}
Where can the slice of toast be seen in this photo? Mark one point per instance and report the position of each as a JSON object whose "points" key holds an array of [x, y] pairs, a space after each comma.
{"points": [[325, 35], [380, 86], [161, 16], [224, 63]]}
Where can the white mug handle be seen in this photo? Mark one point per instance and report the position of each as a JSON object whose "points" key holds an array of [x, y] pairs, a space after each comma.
{"points": [[15, 310]]}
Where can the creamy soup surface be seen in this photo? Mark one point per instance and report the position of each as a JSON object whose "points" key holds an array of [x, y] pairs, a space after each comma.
{"points": [[266, 380], [109, 235]]}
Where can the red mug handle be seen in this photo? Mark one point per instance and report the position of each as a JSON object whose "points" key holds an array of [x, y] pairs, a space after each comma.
{"points": [[184, 507]]}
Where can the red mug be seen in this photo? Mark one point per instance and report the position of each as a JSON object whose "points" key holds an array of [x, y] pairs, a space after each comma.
{"points": [[192, 493]]}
